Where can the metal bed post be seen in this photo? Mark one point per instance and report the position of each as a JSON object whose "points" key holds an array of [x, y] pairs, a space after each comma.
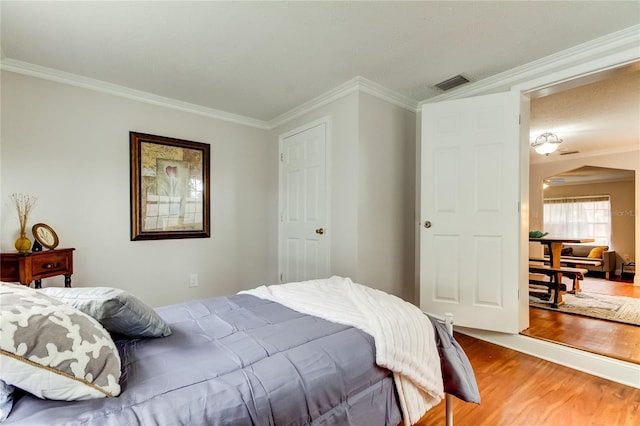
{"points": [[448, 322], [448, 399]]}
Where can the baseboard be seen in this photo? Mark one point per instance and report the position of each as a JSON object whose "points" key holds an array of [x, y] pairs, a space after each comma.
{"points": [[615, 370]]}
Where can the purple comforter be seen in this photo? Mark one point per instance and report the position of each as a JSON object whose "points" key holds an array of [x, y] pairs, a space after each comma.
{"points": [[237, 360]]}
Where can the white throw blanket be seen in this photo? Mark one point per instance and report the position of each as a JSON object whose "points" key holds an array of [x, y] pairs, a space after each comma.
{"points": [[403, 335]]}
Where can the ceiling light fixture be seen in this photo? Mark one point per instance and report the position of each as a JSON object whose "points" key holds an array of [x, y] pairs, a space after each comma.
{"points": [[546, 143]]}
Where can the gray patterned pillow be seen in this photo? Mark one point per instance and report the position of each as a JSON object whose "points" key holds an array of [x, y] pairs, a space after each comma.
{"points": [[117, 310], [53, 350]]}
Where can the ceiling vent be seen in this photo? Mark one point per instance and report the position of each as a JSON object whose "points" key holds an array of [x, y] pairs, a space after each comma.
{"points": [[452, 82]]}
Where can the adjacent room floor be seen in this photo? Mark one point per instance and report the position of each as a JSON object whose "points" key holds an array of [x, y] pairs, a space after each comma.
{"points": [[612, 339]]}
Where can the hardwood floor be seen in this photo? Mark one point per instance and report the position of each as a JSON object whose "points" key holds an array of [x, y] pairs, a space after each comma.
{"points": [[612, 339], [521, 390]]}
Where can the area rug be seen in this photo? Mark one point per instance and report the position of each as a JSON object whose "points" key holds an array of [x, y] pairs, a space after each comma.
{"points": [[603, 306]]}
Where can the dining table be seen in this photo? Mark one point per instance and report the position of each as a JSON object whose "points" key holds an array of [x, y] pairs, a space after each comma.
{"points": [[554, 245]]}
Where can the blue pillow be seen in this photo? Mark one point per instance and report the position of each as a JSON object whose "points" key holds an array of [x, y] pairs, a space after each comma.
{"points": [[6, 400], [117, 310], [457, 373]]}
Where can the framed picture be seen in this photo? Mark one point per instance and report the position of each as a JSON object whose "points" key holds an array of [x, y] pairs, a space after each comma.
{"points": [[169, 188]]}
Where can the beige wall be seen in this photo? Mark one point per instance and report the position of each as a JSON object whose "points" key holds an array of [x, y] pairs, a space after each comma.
{"points": [[386, 187], [622, 198], [342, 169], [371, 170], [69, 147], [623, 160]]}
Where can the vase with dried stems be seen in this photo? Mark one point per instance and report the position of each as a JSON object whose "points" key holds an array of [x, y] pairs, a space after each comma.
{"points": [[24, 205]]}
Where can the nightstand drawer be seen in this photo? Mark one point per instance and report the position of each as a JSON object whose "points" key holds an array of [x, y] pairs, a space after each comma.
{"points": [[51, 264], [34, 266]]}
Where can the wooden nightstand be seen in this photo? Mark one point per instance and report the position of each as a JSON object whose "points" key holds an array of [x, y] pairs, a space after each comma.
{"points": [[27, 267]]}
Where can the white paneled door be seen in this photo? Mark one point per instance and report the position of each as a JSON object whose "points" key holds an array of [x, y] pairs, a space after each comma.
{"points": [[303, 211], [470, 174]]}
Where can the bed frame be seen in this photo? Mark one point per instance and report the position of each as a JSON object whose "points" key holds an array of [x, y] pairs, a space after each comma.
{"points": [[31, 408], [448, 322], [448, 398]]}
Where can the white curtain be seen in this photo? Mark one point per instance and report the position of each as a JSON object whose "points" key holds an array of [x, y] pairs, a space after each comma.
{"points": [[580, 217]]}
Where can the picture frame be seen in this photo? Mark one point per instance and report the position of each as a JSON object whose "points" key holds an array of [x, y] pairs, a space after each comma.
{"points": [[170, 191], [45, 236]]}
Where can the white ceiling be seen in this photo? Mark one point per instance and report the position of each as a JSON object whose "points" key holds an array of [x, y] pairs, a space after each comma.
{"points": [[600, 116], [262, 59]]}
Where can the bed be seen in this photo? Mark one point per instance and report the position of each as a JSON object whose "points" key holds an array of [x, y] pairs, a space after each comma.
{"points": [[261, 357]]}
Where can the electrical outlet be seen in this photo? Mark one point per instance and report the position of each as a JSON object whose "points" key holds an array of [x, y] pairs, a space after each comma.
{"points": [[193, 280]]}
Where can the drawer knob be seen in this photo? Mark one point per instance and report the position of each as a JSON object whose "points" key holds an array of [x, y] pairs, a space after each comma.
{"points": [[51, 265]]}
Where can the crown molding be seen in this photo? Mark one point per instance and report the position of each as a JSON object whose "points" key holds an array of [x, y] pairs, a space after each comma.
{"points": [[324, 99], [388, 95], [356, 84], [51, 74], [628, 38]]}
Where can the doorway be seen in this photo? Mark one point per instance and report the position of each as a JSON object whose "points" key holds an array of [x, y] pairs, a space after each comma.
{"points": [[598, 63], [574, 171], [303, 243]]}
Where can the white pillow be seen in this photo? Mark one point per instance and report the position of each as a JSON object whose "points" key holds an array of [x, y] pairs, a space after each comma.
{"points": [[117, 310], [52, 350]]}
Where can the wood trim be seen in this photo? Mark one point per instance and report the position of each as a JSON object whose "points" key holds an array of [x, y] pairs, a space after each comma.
{"points": [[615, 370]]}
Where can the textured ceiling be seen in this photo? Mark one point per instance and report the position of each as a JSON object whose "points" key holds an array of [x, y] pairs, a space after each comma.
{"points": [[603, 115], [260, 60]]}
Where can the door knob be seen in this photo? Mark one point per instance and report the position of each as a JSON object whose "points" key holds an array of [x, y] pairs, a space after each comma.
{"points": [[320, 231], [427, 224]]}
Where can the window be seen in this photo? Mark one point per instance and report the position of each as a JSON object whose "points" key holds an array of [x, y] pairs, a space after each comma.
{"points": [[579, 217]]}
